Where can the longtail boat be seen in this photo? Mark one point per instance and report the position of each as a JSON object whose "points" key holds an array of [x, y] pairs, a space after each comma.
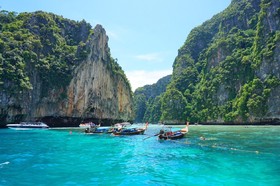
{"points": [[130, 130], [166, 134]]}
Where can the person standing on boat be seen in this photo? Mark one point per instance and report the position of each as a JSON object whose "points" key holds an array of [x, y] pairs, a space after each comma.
{"points": [[186, 129], [146, 126]]}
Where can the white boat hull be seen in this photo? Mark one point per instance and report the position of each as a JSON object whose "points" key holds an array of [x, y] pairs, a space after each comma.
{"points": [[28, 126]]}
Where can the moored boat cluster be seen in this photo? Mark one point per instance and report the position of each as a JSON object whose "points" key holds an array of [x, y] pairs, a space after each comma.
{"points": [[119, 129]]}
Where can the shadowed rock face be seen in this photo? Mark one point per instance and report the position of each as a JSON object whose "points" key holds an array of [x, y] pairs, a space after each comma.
{"points": [[94, 91]]}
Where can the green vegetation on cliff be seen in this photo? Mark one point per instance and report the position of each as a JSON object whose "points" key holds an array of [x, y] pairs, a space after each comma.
{"points": [[218, 69], [39, 43], [49, 63], [228, 67], [42, 45], [147, 101]]}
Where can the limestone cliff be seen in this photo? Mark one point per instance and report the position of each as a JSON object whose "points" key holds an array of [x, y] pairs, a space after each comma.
{"points": [[89, 86], [228, 68]]}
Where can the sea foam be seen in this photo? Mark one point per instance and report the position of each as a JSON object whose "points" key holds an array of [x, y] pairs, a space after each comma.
{"points": [[2, 164]]}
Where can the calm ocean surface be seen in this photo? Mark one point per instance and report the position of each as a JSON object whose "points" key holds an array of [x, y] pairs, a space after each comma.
{"points": [[230, 155]]}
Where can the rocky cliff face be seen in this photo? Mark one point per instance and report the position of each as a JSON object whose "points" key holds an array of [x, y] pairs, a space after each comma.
{"points": [[95, 92], [96, 88], [93, 89], [228, 68], [269, 31]]}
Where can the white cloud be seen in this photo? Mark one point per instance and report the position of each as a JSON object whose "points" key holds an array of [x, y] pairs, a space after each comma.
{"points": [[139, 78], [149, 57]]}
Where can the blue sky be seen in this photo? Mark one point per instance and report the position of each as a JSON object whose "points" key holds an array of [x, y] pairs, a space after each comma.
{"points": [[144, 35]]}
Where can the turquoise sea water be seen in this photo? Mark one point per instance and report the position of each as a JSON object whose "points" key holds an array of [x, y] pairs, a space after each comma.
{"points": [[229, 155]]}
